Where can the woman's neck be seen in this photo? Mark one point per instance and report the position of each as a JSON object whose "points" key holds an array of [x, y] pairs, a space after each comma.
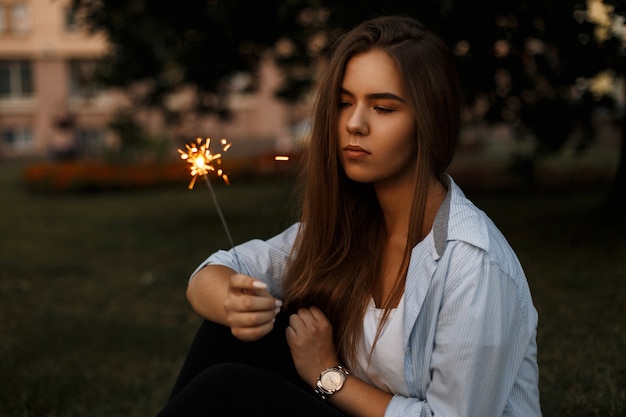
{"points": [[396, 204]]}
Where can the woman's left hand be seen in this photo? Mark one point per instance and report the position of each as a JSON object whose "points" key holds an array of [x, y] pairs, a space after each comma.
{"points": [[310, 338]]}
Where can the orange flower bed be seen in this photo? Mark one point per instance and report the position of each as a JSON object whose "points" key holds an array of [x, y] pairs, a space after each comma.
{"points": [[101, 176], [85, 176]]}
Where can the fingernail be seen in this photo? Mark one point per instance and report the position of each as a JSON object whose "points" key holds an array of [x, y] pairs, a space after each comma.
{"points": [[277, 310], [278, 303], [259, 284]]}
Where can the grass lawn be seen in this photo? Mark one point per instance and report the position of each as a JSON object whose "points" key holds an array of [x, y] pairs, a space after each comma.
{"points": [[93, 319]]}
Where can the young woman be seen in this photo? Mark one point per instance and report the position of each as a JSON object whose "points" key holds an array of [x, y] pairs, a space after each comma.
{"points": [[394, 295]]}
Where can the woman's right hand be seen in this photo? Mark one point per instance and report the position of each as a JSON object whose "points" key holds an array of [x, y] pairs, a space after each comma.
{"points": [[250, 309]]}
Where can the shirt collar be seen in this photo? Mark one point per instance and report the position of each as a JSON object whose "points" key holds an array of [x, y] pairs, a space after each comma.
{"points": [[458, 219]]}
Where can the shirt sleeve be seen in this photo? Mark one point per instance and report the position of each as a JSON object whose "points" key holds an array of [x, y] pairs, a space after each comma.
{"points": [[265, 260], [481, 339]]}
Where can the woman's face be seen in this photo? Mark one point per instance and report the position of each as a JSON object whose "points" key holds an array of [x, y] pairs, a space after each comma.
{"points": [[376, 126]]}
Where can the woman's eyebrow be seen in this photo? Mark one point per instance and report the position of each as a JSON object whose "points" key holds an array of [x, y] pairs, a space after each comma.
{"points": [[388, 96]]}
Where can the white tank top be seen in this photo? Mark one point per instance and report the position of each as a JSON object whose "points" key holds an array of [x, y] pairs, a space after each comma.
{"points": [[385, 370]]}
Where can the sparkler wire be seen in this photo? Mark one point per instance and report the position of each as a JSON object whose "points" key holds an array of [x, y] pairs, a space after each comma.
{"points": [[223, 220]]}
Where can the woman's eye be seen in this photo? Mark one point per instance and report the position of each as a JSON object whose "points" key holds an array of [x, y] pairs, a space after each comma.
{"points": [[343, 104], [382, 109]]}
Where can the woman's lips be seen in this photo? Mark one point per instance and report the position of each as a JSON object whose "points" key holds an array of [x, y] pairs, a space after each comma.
{"points": [[355, 152]]}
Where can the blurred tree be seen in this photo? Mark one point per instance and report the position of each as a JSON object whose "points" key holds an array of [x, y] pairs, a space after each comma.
{"points": [[168, 45], [531, 61], [610, 32], [541, 65]]}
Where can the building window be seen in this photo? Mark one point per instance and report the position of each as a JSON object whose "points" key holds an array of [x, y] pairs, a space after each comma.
{"points": [[17, 139], [70, 19], [15, 19], [19, 19], [16, 79], [3, 19], [83, 80]]}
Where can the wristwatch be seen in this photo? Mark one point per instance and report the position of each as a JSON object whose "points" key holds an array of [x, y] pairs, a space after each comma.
{"points": [[330, 381]]}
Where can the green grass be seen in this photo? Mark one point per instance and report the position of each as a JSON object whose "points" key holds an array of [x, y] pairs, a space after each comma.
{"points": [[93, 319]]}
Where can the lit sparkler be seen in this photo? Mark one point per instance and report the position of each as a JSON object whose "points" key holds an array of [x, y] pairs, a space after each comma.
{"points": [[201, 162]]}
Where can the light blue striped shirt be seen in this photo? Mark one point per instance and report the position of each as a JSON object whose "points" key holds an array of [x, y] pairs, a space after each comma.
{"points": [[469, 325]]}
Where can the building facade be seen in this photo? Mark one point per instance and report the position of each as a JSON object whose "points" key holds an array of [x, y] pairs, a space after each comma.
{"points": [[50, 105]]}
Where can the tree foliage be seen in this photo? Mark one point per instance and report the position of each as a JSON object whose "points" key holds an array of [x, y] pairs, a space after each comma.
{"points": [[168, 44]]}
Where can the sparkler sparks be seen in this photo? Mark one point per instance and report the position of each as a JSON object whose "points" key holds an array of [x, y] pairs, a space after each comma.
{"points": [[201, 162]]}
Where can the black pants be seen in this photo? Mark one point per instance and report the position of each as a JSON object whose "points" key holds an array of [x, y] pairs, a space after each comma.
{"points": [[223, 376]]}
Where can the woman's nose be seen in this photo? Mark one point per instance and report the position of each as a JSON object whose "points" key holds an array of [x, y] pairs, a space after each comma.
{"points": [[357, 123]]}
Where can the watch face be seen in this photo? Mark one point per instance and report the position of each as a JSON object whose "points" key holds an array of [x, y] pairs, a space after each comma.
{"points": [[332, 380]]}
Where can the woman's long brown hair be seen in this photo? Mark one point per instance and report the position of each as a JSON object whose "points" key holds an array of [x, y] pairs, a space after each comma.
{"points": [[340, 248]]}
